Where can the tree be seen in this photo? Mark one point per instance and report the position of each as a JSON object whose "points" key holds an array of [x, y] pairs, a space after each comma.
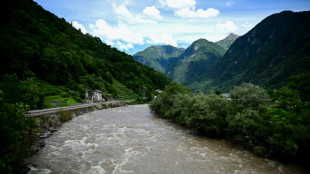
{"points": [[301, 82], [208, 114], [248, 95]]}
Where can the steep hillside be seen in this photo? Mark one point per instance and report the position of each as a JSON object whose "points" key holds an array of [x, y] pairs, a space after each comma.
{"points": [[37, 44], [267, 55], [158, 57], [228, 41], [196, 59]]}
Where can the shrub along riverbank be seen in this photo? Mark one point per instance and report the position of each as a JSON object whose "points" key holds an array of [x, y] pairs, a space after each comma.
{"points": [[273, 123]]}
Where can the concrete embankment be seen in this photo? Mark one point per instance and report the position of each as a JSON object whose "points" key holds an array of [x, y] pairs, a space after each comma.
{"points": [[49, 120]]}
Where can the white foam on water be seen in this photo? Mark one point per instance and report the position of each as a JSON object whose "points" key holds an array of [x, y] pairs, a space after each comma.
{"points": [[34, 170], [119, 168], [78, 144], [96, 170]]}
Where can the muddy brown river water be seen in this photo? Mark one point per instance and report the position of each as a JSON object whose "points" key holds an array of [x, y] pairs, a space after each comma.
{"points": [[132, 140]]}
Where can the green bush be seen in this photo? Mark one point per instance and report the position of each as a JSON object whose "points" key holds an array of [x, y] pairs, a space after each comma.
{"points": [[104, 106], [247, 127], [164, 101], [279, 127], [64, 115], [182, 108], [208, 114], [248, 95], [14, 147]]}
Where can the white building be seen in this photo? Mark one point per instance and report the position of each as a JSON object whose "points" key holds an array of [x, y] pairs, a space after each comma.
{"points": [[97, 96]]}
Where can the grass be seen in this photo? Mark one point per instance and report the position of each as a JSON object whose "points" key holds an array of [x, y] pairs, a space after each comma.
{"points": [[123, 92], [55, 94], [67, 101]]}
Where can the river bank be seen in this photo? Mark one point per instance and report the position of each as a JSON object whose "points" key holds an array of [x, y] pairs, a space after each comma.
{"points": [[132, 139]]}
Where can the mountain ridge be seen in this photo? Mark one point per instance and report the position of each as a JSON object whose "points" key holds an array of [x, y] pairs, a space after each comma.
{"points": [[276, 48], [158, 56], [227, 41], [196, 59]]}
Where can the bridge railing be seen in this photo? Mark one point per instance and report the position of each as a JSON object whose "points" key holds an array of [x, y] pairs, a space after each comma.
{"points": [[34, 113]]}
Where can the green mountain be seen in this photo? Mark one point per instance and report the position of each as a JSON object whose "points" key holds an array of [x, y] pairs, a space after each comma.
{"points": [[158, 57], [62, 61], [228, 41], [199, 57], [267, 55]]}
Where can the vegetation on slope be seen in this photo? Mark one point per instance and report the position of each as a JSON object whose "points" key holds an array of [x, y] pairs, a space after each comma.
{"points": [[45, 59], [36, 43], [158, 57], [228, 41], [267, 55], [196, 59], [270, 123]]}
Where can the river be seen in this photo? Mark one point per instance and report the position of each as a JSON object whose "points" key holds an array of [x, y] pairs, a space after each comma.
{"points": [[132, 140]]}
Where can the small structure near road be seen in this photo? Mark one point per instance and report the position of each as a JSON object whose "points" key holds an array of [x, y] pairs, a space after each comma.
{"points": [[94, 96]]}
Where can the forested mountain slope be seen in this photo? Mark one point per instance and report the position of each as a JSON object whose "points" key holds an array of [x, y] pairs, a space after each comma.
{"points": [[158, 57], [37, 44], [196, 59], [267, 55]]}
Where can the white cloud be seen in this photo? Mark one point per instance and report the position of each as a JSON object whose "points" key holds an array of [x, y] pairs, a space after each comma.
{"points": [[215, 37], [123, 14], [228, 26], [152, 12], [187, 9], [177, 4], [109, 42], [247, 26], [229, 3], [122, 11], [200, 13], [162, 39], [121, 32], [123, 46], [141, 19], [77, 25]]}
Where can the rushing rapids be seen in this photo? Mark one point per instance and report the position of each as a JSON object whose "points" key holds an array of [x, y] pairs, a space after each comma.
{"points": [[132, 140]]}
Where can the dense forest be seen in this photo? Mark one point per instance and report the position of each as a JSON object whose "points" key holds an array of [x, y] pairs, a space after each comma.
{"points": [[36, 44], [273, 123], [45, 59]]}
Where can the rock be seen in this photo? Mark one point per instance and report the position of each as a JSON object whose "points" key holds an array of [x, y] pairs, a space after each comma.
{"points": [[52, 129], [37, 146], [46, 135]]}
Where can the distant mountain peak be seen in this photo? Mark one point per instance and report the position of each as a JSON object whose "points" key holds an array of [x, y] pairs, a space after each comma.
{"points": [[227, 41], [158, 56], [201, 40], [195, 60], [232, 36]]}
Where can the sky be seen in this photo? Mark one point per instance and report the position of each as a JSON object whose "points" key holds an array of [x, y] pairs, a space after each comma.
{"points": [[133, 25]]}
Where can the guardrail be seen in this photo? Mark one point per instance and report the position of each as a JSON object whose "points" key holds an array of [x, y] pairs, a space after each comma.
{"points": [[35, 113]]}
